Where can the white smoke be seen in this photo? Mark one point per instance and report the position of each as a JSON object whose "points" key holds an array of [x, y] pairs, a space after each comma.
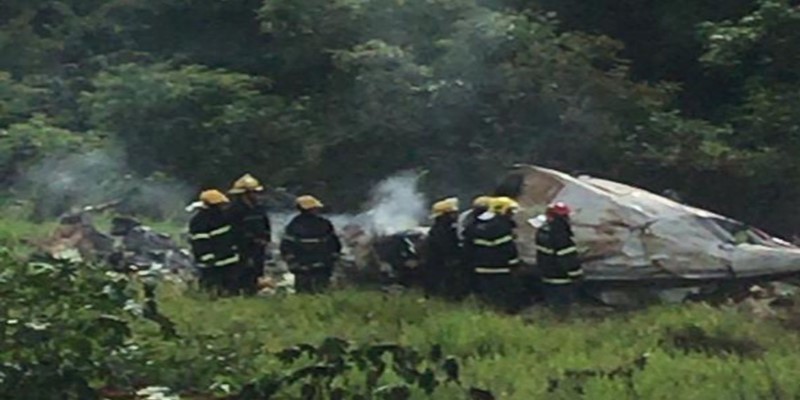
{"points": [[60, 184], [395, 205]]}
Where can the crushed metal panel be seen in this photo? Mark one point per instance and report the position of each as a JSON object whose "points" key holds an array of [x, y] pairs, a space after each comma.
{"points": [[686, 249], [605, 231], [626, 233], [755, 260]]}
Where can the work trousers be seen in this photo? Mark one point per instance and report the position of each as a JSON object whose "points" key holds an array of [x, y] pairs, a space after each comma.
{"points": [[502, 291], [252, 268], [219, 280], [312, 280], [560, 297], [447, 279]]}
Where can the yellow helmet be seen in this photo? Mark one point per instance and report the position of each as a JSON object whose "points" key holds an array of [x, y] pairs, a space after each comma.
{"points": [[308, 202], [482, 201], [444, 206], [502, 205], [247, 183], [213, 197]]}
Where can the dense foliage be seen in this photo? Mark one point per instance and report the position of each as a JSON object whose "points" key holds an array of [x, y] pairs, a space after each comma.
{"points": [[76, 332], [329, 96], [73, 331]]}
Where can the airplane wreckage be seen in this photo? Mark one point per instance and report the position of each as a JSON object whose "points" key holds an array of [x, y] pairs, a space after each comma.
{"points": [[635, 246], [631, 240]]}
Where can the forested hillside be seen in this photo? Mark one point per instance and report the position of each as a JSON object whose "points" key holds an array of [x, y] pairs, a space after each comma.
{"points": [[331, 95]]}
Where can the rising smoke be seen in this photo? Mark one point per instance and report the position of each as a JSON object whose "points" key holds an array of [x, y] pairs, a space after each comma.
{"points": [[396, 204], [61, 184]]}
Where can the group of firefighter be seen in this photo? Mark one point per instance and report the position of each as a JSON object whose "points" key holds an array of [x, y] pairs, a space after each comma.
{"points": [[230, 235], [470, 252], [476, 252]]}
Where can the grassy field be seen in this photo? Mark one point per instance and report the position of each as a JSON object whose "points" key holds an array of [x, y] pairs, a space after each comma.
{"points": [[693, 351], [19, 234], [690, 351]]}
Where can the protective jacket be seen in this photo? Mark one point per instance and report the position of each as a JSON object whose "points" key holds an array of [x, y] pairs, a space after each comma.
{"points": [[444, 273], [309, 242], [466, 219], [250, 223], [212, 239], [556, 254], [490, 246], [442, 243]]}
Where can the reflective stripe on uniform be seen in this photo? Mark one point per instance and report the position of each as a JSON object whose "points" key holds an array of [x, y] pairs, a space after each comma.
{"points": [[493, 243], [492, 270], [576, 273], [220, 230], [514, 261], [545, 250], [410, 244], [209, 235], [207, 257], [228, 261], [556, 281], [311, 241], [568, 250], [289, 238], [306, 267], [199, 236]]}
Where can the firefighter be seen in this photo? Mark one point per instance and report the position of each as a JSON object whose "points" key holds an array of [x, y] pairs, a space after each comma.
{"points": [[310, 246], [557, 258], [443, 274], [213, 244], [252, 229], [492, 252], [479, 206]]}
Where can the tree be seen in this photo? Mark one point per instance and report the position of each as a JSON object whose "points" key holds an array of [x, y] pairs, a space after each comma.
{"points": [[195, 123]]}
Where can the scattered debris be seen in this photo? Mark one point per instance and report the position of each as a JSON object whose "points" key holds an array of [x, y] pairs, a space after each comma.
{"points": [[130, 246], [77, 239], [156, 393], [276, 284]]}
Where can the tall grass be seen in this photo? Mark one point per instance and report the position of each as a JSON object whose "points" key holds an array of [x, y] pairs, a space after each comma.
{"points": [[517, 357]]}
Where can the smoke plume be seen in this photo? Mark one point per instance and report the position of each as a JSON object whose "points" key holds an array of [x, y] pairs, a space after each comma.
{"points": [[396, 204], [60, 184]]}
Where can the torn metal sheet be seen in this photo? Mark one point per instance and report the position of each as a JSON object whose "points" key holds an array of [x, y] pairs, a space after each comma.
{"points": [[629, 234]]}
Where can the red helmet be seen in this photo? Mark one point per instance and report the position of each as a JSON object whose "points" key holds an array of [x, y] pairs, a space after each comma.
{"points": [[559, 209]]}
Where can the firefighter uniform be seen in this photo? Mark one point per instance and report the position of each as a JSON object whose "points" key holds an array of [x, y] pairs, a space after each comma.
{"points": [[399, 251], [557, 258], [490, 247], [310, 246], [444, 275], [214, 245], [479, 206], [251, 226]]}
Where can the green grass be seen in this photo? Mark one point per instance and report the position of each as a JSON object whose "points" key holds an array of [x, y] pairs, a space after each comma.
{"points": [[511, 355], [232, 341], [19, 234]]}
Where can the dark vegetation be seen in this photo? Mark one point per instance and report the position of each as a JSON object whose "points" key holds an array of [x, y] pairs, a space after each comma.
{"points": [[329, 96], [75, 331]]}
